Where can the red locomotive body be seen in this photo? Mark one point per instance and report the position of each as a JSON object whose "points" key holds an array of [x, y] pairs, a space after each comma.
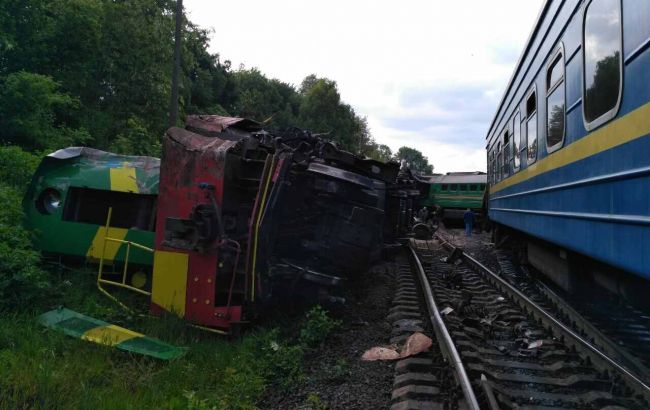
{"points": [[245, 217]]}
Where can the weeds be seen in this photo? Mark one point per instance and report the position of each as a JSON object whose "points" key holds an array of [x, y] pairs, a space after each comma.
{"points": [[317, 327], [314, 402]]}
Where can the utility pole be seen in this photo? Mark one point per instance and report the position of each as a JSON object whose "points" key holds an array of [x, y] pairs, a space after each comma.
{"points": [[173, 104]]}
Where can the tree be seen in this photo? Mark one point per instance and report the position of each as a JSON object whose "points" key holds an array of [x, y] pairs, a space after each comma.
{"points": [[322, 111], [31, 112], [417, 162]]}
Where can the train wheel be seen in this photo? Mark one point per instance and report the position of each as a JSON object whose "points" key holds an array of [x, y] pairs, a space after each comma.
{"points": [[139, 280]]}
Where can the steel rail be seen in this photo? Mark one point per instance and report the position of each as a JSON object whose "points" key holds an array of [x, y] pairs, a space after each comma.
{"points": [[448, 348], [598, 338], [640, 386]]}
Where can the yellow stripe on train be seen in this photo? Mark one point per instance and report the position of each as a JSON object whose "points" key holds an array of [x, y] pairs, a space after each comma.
{"points": [[110, 335], [124, 179], [97, 245], [632, 126]]}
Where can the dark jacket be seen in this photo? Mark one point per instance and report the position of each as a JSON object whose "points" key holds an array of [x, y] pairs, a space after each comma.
{"points": [[468, 217]]}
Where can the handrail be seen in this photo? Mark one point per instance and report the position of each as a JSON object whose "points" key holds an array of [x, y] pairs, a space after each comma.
{"points": [[122, 283]]}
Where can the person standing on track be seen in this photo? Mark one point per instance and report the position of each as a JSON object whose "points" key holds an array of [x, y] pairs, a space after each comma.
{"points": [[468, 217]]}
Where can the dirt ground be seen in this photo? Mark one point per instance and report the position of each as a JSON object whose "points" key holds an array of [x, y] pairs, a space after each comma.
{"points": [[336, 377]]}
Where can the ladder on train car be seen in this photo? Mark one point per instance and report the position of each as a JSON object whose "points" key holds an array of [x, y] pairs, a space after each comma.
{"points": [[102, 280]]}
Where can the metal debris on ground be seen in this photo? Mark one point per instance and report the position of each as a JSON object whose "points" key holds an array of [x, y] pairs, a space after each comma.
{"points": [[414, 344], [447, 310], [87, 328]]}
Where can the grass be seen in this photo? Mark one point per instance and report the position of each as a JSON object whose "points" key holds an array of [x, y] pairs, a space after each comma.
{"points": [[42, 368]]}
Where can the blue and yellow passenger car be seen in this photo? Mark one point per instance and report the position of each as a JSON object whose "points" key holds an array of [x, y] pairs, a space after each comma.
{"points": [[569, 146]]}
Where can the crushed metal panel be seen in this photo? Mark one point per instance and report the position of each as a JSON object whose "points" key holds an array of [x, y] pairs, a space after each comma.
{"points": [[342, 174], [97, 331], [211, 125]]}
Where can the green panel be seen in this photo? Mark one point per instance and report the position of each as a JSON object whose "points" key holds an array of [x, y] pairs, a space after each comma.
{"points": [[152, 347], [81, 326], [69, 322]]}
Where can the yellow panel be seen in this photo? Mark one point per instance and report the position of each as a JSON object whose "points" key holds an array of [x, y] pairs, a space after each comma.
{"points": [[109, 335], [170, 281], [96, 247], [627, 128], [124, 179]]}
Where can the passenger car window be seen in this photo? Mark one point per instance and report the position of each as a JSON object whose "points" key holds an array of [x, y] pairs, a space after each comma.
{"points": [[506, 153], [602, 61], [516, 140], [555, 104], [499, 162], [443, 187], [453, 187], [531, 126]]}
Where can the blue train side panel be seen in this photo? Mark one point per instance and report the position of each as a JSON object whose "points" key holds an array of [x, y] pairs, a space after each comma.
{"points": [[592, 195]]}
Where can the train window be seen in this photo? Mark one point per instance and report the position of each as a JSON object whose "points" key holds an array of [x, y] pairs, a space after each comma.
{"points": [[482, 187], [462, 187], [602, 61], [473, 188], [531, 126], [131, 211], [453, 187], [555, 103], [499, 162], [516, 140], [506, 153], [443, 187]]}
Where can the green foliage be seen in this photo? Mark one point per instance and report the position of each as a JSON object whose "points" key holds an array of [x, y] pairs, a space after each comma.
{"points": [[136, 140], [31, 108], [314, 402], [281, 362], [317, 326], [22, 281], [380, 152], [417, 162], [17, 166]]}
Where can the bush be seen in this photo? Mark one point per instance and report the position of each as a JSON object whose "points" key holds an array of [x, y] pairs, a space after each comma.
{"points": [[21, 279], [281, 363], [317, 326], [17, 166], [32, 107]]}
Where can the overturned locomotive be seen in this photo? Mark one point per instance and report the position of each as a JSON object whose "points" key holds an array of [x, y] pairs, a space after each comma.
{"points": [[244, 217]]}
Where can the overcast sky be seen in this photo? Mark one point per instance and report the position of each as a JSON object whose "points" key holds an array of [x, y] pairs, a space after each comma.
{"points": [[426, 74]]}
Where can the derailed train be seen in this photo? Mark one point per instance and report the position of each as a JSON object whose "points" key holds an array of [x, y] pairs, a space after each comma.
{"points": [[243, 216]]}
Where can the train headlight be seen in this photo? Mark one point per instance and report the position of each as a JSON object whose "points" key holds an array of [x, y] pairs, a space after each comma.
{"points": [[49, 201]]}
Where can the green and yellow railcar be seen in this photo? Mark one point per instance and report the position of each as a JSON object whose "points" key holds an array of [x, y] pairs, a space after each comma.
{"points": [[453, 193], [69, 196]]}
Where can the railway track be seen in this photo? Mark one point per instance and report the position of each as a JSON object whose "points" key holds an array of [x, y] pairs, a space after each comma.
{"points": [[616, 328], [502, 349]]}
